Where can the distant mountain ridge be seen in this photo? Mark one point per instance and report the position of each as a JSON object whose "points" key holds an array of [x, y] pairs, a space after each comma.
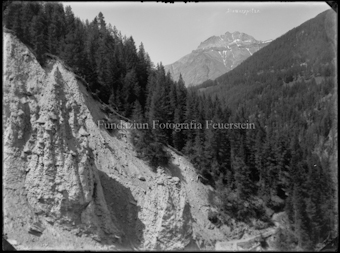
{"points": [[215, 56]]}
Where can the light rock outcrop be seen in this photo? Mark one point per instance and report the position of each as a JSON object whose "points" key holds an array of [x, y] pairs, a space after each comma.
{"points": [[166, 209], [79, 185], [42, 143]]}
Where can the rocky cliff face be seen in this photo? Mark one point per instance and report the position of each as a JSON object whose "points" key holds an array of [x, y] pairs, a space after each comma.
{"points": [[69, 184], [215, 56]]}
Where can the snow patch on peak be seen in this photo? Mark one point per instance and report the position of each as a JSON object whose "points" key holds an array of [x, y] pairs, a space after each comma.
{"points": [[266, 41], [223, 55]]}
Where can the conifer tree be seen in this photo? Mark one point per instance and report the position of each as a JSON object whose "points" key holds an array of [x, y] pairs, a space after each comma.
{"points": [[137, 113], [17, 26]]}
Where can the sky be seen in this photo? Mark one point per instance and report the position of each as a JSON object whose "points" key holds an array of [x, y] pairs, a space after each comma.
{"points": [[171, 31]]}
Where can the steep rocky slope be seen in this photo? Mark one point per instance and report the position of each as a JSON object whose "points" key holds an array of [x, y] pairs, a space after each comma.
{"points": [[69, 184], [215, 56]]}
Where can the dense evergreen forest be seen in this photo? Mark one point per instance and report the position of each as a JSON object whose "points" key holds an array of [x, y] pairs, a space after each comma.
{"points": [[288, 94]]}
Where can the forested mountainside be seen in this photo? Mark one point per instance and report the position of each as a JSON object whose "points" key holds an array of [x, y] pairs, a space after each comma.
{"points": [[287, 89], [215, 56]]}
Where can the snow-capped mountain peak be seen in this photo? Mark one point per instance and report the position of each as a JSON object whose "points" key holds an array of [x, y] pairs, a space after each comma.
{"points": [[214, 57]]}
